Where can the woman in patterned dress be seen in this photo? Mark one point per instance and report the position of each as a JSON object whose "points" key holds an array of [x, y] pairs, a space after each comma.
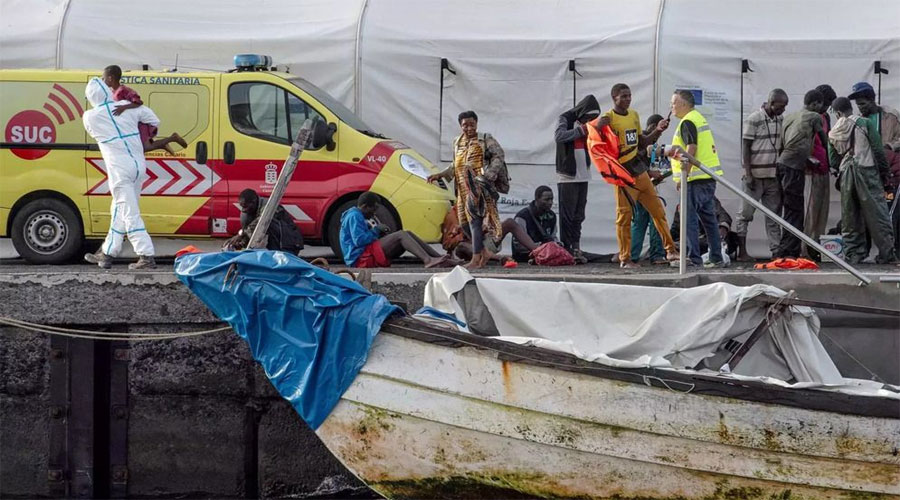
{"points": [[476, 161]]}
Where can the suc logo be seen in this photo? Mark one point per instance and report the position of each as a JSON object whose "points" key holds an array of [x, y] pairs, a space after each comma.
{"points": [[35, 127], [30, 127]]}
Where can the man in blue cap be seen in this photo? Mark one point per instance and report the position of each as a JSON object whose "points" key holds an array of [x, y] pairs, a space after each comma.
{"points": [[887, 123], [856, 147], [887, 120]]}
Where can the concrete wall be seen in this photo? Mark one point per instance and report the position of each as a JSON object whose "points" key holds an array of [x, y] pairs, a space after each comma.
{"points": [[203, 419]]}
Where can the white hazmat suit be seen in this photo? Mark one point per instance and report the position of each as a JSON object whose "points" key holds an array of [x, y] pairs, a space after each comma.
{"points": [[123, 154]]}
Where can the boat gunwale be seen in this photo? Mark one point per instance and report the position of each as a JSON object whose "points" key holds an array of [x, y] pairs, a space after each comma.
{"points": [[707, 385]]}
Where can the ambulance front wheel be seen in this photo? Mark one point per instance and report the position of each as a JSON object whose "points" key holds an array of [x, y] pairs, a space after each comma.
{"points": [[47, 231], [384, 215]]}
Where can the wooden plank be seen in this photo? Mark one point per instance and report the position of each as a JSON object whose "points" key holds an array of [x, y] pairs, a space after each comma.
{"points": [[259, 238]]}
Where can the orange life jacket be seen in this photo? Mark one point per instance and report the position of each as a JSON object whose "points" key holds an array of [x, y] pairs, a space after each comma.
{"points": [[603, 147]]}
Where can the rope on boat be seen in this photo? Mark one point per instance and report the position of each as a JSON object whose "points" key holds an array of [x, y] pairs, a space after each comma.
{"points": [[874, 375], [99, 335]]}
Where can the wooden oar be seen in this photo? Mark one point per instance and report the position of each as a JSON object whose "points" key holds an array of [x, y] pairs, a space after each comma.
{"points": [[304, 136]]}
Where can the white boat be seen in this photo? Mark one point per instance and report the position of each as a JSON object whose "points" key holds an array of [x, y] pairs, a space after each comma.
{"points": [[585, 390], [441, 414]]}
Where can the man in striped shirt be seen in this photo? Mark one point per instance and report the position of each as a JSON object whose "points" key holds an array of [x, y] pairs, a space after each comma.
{"points": [[762, 138]]}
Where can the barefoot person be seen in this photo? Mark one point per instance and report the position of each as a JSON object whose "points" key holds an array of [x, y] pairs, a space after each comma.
{"points": [[478, 160], [112, 75], [365, 246]]}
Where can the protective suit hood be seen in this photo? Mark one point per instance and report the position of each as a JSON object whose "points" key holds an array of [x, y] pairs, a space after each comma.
{"points": [[97, 92]]}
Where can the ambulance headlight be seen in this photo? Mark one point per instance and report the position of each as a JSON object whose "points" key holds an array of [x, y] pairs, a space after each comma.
{"points": [[244, 62], [414, 166]]}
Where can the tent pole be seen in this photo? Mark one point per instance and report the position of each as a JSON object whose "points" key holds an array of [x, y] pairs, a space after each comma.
{"points": [[574, 78], [357, 60], [659, 14], [59, 34], [879, 70]]}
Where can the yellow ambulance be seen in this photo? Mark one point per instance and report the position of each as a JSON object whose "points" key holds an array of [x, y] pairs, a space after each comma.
{"points": [[239, 125]]}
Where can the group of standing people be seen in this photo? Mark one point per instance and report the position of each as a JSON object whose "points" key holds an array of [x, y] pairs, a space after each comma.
{"points": [[780, 153]]}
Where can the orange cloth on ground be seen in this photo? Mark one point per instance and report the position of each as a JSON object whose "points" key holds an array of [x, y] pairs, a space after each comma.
{"points": [[788, 263]]}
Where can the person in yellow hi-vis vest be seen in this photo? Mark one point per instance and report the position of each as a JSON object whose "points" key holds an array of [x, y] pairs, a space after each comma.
{"points": [[693, 134]]}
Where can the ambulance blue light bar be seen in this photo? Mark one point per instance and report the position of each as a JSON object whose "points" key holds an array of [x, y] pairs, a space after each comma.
{"points": [[249, 62]]}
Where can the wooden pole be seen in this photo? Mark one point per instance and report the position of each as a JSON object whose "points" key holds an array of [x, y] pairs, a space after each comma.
{"points": [[304, 136]]}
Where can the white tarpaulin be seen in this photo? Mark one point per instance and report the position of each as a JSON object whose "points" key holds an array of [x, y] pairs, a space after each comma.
{"points": [[510, 58], [640, 326]]}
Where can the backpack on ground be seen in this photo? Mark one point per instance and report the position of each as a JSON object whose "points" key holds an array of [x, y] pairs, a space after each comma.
{"points": [[552, 254]]}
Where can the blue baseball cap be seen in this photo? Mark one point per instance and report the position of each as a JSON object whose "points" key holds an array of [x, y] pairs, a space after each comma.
{"points": [[861, 89]]}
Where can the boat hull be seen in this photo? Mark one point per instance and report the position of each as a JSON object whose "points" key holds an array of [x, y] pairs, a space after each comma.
{"points": [[427, 421]]}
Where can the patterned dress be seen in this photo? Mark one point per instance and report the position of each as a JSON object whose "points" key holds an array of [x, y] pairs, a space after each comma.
{"points": [[468, 163]]}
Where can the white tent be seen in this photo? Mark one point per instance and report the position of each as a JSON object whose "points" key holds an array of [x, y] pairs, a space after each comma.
{"points": [[511, 61]]}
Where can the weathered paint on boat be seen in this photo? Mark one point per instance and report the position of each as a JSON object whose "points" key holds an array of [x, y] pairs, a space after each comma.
{"points": [[425, 421]]}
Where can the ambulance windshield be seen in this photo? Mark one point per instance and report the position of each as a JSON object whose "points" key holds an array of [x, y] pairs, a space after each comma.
{"points": [[344, 114]]}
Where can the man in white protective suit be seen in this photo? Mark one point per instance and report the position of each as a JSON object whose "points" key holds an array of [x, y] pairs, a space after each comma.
{"points": [[123, 154]]}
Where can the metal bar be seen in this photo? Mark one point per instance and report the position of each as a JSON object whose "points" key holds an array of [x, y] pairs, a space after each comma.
{"points": [[81, 424], [120, 354], [682, 222], [837, 306], [768, 213], [57, 459], [764, 325], [259, 237]]}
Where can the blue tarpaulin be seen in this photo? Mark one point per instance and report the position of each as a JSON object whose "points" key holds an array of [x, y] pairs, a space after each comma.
{"points": [[309, 329]]}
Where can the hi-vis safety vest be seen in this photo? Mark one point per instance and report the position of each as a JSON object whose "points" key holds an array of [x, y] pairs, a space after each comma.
{"points": [[603, 148], [706, 149]]}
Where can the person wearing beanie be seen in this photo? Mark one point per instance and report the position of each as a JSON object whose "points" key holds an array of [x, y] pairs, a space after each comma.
{"points": [[887, 120]]}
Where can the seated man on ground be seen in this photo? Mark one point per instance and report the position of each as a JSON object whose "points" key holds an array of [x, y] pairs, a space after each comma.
{"points": [[282, 233], [539, 222], [368, 245]]}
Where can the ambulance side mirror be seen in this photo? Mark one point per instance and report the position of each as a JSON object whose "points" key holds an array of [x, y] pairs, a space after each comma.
{"points": [[323, 135]]}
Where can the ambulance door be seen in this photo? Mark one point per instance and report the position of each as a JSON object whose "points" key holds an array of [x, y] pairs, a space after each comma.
{"points": [[258, 122], [176, 192]]}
